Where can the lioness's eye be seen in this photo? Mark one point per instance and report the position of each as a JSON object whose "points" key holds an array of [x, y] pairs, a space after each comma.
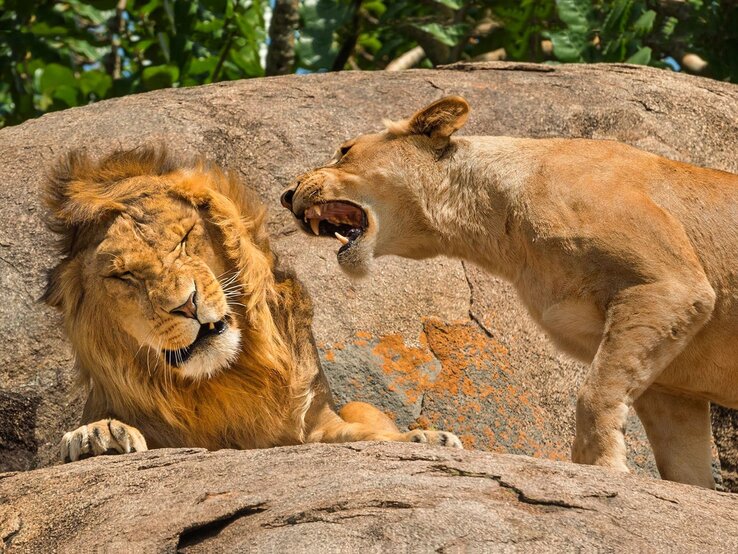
{"points": [[344, 150]]}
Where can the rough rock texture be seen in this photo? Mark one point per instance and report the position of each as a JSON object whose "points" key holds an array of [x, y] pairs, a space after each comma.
{"points": [[436, 342], [355, 498]]}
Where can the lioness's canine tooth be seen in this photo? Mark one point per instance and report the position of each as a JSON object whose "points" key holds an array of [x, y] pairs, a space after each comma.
{"points": [[211, 326], [315, 226], [316, 209], [341, 238]]}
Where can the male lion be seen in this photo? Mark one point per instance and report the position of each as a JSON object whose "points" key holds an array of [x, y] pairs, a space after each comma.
{"points": [[183, 330], [629, 261]]}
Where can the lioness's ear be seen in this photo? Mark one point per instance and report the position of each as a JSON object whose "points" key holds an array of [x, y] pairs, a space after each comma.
{"points": [[440, 119]]}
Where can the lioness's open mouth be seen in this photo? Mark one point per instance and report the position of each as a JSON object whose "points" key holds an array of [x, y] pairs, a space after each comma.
{"points": [[342, 220], [176, 358]]}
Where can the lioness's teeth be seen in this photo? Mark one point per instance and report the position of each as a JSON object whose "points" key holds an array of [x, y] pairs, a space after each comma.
{"points": [[211, 326], [341, 238], [315, 226], [316, 209]]}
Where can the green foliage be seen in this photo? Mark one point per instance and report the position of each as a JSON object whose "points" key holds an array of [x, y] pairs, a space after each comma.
{"points": [[55, 55], [647, 32], [631, 31]]}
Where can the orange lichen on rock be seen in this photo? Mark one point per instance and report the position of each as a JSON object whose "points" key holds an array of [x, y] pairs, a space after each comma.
{"points": [[404, 365], [457, 378]]}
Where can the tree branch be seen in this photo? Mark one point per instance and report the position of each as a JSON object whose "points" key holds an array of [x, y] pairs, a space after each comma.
{"points": [[349, 44], [409, 59], [115, 41], [281, 54]]}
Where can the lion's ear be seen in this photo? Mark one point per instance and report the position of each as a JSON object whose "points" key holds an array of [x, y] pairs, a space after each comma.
{"points": [[63, 289], [53, 295], [440, 119]]}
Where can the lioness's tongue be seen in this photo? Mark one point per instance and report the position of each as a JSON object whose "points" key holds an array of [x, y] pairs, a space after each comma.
{"points": [[337, 213]]}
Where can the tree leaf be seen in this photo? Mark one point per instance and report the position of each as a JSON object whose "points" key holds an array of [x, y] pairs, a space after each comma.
{"points": [[159, 76], [67, 94], [568, 46], [44, 29], [644, 24], [103, 4], [54, 76], [575, 13], [642, 57], [453, 4], [448, 35], [95, 82]]}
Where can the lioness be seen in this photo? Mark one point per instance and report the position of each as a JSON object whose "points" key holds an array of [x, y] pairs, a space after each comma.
{"points": [[628, 261], [182, 329]]}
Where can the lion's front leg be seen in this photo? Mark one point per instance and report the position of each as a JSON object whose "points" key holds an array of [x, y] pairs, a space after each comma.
{"points": [[359, 421], [647, 327], [106, 435]]}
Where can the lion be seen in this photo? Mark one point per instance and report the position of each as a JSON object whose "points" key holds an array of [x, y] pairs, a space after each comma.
{"points": [[627, 260], [183, 330]]}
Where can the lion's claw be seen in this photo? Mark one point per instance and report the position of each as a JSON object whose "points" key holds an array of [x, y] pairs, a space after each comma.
{"points": [[441, 438], [94, 439]]}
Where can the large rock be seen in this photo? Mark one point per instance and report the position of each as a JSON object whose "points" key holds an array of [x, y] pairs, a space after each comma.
{"points": [[437, 343], [354, 498]]}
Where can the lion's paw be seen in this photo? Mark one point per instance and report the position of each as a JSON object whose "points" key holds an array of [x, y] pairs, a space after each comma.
{"points": [[442, 438], [106, 435]]}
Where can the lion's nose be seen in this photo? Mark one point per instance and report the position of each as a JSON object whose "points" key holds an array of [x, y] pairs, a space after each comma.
{"points": [[188, 309], [287, 196]]}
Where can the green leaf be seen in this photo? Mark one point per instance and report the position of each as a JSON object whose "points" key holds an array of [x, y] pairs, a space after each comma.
{"points": [[644, 24], [54, 76], [95, 82], [575, 13], [44, 29], [667, 29], [202, 66], [67, 94], [614, 18], [453, 4], [446, 35], [159, 76], [642, 57], [103, 4], [567, 46]]}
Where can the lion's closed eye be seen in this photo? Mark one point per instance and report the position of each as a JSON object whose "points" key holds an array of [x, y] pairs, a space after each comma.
{"points": [[124, 276], [183, 243]]}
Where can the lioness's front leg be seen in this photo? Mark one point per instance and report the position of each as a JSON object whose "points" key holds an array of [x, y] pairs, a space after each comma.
{"points": [[100, 437], [359, 421], [647, 326]]}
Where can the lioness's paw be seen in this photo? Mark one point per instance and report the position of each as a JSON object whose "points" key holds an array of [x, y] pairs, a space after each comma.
{"points": [[442, 438], [100, 437]]}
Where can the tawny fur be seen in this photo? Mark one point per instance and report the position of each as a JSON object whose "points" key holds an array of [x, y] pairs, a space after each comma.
{"points": [[129, 261], [626, 259]]}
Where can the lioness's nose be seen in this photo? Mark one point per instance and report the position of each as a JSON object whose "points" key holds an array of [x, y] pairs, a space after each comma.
{"points": [[188, 309], [287, 196]]}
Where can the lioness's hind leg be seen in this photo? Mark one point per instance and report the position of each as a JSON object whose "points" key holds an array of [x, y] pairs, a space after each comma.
{"points": [[679, 431], [100, 437]]}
